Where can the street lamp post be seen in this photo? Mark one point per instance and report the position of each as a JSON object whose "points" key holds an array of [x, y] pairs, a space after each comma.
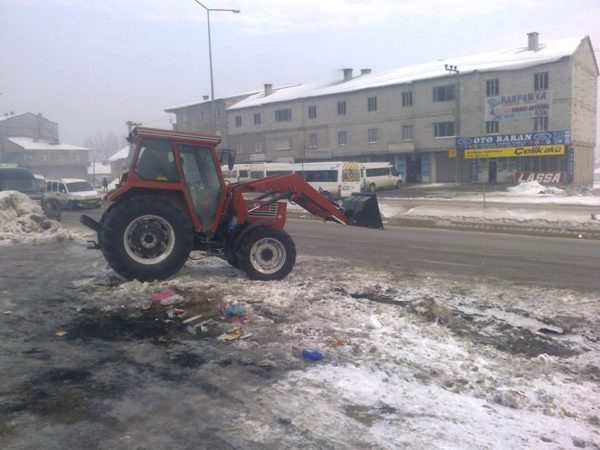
{"points": [[454, 70], [213, 118]]}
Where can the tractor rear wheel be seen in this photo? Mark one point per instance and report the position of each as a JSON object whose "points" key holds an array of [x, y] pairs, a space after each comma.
{"points": [[146, 237], [267, 254]]}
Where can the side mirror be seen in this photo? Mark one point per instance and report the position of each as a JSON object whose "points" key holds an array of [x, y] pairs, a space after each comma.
{"points": [[227, 157]]}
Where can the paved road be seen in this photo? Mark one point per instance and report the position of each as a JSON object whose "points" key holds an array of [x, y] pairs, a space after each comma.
{"points": [[546, 261], [552, 262]]}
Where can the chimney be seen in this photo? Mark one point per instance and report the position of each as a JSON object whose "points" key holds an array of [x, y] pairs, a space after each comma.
{"points": [[347, 74], [268, 89], [365, 71], [205, 97], [532, 41]]}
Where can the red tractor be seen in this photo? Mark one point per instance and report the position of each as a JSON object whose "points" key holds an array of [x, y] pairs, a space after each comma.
{"points": [[174, 199]]}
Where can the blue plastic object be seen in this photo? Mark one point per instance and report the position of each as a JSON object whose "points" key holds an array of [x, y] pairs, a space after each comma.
{"points": [[312, 355]]}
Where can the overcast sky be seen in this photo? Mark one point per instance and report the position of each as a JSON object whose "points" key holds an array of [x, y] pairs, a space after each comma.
{"points": [[91, 65]]}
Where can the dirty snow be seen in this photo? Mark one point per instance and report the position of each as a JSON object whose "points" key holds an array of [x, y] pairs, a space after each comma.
{"points": [[410, 360], [23, 221]]}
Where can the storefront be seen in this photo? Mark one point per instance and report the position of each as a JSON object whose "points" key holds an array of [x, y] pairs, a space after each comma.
{"points": [[544, 156]]}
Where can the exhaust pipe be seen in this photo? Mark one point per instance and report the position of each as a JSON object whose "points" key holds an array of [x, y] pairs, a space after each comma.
{"points": [[362, 210]]}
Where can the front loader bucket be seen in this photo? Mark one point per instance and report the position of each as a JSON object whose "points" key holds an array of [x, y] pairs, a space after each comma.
{"points": [[362, 210]]}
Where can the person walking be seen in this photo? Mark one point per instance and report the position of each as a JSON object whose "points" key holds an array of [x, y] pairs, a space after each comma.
{"points": [[105, 184]]}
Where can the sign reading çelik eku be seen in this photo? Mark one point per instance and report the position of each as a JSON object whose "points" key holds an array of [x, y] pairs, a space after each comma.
{"points": [[507, 152]]}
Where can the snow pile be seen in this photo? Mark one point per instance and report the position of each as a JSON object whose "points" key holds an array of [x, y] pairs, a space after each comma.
{"points": [[532, 188], [22, 220]]}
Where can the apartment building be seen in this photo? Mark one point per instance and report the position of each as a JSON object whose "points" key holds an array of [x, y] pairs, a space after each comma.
{"points": [[523, 113], [31, 140]]}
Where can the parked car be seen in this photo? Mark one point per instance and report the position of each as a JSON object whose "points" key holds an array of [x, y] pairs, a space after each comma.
{"points": [[73, 193], [22, 180], [379, 175]]}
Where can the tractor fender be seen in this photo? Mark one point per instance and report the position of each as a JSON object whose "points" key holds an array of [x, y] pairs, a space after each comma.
{"points": [[244, 231]]}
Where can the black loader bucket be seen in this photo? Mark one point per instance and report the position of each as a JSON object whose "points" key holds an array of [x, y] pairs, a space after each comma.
{"points": [[362, 210]]}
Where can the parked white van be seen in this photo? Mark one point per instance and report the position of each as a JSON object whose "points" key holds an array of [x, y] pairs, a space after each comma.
{"points": [[379, 175], [334, 179], [72, 193]]}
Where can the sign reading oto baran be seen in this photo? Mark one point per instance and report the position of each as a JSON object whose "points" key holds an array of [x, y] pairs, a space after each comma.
{"points": [[518, 106], [540, 177], [514, 140], [507, 152]]}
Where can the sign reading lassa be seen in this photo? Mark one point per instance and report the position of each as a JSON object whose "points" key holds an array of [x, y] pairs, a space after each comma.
{"points": [[508, 152]]}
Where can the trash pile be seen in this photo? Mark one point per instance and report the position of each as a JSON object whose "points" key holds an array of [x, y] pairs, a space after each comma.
{"points": [[22, 220]]}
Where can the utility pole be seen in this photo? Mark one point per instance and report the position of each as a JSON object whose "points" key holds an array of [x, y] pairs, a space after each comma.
{"points": [[454, 70]]}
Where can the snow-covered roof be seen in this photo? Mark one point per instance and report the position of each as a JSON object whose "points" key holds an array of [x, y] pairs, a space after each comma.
{"points": [[121, 154], [27, 143], [200, 102], [10, 116], [21, 114], [511, 59], [99, 168]]}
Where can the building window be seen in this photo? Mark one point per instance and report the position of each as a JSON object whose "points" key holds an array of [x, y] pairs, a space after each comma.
{"points": [[372, 135], [258, 147], [540, 123], [407, 132], [256, 118], [312, 141], [239, 148], [372, 104], [342, 138], [283, 115], [492, 126], [407, 99], [283, 144], [540, 81], [443, 93], [341, 108], [312, 112], [443, 129], [492, 87], [238, 121]]}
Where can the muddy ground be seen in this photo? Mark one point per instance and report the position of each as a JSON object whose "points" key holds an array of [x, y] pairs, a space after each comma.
{"points": [[88, 360]]}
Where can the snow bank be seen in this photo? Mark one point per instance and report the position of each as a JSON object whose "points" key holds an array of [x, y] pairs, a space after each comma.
{"points": [[22, 220], [530, 188]]}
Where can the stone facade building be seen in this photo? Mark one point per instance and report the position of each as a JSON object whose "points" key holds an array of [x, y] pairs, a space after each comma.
{"points": [[524, 112], [32, 141]]}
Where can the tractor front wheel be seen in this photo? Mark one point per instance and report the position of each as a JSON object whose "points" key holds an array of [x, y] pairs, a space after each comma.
{"points": [[146, 238], [267, 254]]}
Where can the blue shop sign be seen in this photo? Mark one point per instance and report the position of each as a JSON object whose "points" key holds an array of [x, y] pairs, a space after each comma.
{"points": [[514, 140]]}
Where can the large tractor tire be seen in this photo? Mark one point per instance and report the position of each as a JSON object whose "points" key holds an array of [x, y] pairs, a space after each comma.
{"points": [[267, 254], [146, 238]]}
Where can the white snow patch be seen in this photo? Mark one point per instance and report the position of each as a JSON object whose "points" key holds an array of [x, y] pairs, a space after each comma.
{"points": [[530, 188], [23, 221]]}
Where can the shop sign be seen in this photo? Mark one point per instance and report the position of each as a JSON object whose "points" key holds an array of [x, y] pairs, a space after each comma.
{"points": [[541, 177], [508, 152], [451, 153], [324, 153], [256, 157], [518, 106], [515, 139]]}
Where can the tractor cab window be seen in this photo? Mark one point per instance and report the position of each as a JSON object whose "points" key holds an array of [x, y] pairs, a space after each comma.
{"points": [[202, 180], [156, 161]]}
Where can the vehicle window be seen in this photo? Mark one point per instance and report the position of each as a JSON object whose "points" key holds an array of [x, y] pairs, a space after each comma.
{"points": [[202, 180], [156, 161], [54, 186], [329, 176], [243, 173], [18, 184], [79, 186], [62, 189]]}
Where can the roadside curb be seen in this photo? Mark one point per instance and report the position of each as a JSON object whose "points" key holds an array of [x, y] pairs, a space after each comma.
{"points": [[494, 227]]}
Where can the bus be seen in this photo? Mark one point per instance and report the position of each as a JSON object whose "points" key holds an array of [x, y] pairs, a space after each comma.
{"points": [[334, 179], [379, 175]]}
